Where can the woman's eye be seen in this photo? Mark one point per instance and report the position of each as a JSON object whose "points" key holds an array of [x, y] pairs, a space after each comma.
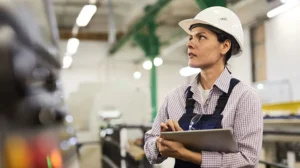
{"points": [[201, 37]]}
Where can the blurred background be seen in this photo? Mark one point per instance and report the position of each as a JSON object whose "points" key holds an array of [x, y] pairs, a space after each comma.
{"points": [[119, 59]]}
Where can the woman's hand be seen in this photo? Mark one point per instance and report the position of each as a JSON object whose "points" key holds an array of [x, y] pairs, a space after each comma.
{"points": [[171, 148], [177, 150], [170, 125]]}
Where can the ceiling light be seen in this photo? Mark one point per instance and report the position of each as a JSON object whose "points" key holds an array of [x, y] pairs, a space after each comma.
{"points": [[137, 75], [75, 30], [72, 45], [67, 61], [158, 61], [260, 86], [147, 65], [288, 4], [188, 71], [86, 15]]}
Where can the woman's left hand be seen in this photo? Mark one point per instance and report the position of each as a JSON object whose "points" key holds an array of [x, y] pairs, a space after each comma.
{"points": [[172, 149]]}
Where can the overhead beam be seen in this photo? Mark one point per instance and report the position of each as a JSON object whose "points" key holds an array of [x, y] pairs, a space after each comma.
{"points": [[209, 3], [152, 11], [99, 36]]}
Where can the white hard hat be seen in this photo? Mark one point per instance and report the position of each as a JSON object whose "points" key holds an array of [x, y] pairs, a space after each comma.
{"points": [[218, 17]]}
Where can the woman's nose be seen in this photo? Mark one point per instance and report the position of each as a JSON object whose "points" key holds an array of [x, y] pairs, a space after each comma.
{"points": [[189, 45]]}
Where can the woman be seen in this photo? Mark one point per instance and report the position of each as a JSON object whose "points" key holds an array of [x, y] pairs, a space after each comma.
{"points": [[215, 35]]}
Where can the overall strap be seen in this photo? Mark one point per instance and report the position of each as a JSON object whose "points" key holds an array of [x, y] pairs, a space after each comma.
{"points": [[222, 101], [190, 102]]}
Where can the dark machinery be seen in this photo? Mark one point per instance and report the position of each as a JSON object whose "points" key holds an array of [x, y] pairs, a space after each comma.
{"points": [[34, 123], [111, 148]]}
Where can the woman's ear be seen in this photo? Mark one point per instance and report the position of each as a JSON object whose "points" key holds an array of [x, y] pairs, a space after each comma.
{"points": [[225, 46]]}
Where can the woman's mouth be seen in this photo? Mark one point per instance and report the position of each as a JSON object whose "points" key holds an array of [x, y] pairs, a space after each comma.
{"points": [[191, 55]]}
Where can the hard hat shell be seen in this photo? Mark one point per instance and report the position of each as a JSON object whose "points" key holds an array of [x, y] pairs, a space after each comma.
{"points": [[218, 17]]}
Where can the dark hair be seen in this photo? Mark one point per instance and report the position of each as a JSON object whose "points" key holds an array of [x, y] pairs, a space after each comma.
{"points": [[222, 37]]}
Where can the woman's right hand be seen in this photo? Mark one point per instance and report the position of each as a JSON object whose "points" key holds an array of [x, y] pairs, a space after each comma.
{"points": [[169, 125], [164, 127]]}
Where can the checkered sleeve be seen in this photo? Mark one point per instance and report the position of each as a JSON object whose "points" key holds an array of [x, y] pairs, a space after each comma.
{"points": [[248, 131], [150, 148]]}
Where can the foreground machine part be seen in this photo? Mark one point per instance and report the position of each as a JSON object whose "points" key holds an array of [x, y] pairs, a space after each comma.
{"points": [[34, 123]]}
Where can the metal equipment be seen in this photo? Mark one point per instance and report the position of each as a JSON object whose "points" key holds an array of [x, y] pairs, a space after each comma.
{"points": [[34, 122], [114, 152]]}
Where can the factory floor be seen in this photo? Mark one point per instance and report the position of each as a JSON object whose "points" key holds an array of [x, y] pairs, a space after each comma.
{"points": [[90, 157]]}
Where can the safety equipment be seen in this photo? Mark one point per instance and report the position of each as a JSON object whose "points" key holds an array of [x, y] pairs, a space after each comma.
{"points": [[218, 17]]}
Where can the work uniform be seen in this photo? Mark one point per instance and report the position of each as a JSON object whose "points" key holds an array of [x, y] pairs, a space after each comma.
{"points": [[242, 114]]}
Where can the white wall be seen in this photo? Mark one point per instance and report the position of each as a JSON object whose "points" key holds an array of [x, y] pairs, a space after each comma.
{"points": [[92, 80], [282, 48], [241, 65]]}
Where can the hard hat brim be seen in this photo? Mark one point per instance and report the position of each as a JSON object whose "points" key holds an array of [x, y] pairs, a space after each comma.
{"points": [[186, 24]]}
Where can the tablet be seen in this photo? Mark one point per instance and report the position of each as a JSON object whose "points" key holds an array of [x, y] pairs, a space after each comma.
{"points": [[214, 140]]}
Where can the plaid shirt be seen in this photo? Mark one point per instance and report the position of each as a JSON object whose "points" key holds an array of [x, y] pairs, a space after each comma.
{"points": [[242, 114]]}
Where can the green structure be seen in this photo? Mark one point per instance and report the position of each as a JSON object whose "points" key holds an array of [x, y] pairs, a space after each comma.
{"points": [[149, 42], [209, 3], [143, 33], [149, 14]]}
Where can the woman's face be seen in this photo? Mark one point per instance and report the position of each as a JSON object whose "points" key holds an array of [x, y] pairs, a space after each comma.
{"points": [[204, 49]]}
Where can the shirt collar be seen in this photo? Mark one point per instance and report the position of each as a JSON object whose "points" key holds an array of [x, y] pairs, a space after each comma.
{"points": [[222, 82]]}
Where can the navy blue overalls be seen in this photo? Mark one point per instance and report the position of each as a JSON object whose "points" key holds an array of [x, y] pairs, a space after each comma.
{"points": [[213, 121]]}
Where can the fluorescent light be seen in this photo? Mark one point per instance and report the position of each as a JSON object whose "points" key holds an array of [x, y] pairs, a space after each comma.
{"points": [[260, 86], [188, 71], [288, 4], [86, 15], [158, 61], [147, 65], [67, 61], [137, 75], [75, 30], [72, 46]]}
